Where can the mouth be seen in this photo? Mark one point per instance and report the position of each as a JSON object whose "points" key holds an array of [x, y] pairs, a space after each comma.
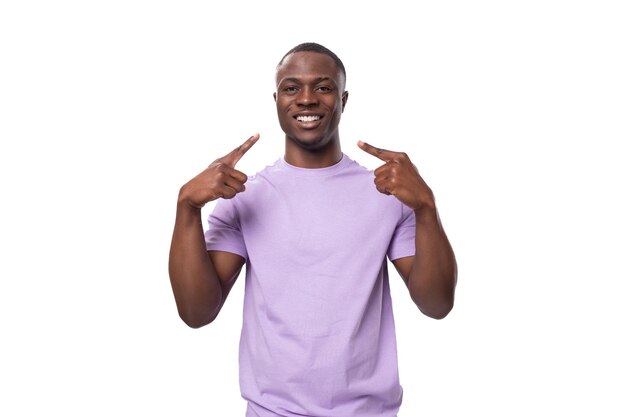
{"points": [[308, 121], [307, 118]]}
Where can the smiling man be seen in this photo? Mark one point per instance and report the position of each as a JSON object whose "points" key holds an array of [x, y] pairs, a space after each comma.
{"points": [[314, 230]]}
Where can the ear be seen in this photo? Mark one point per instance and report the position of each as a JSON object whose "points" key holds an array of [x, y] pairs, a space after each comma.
{"points": [[344, 100], [274, 96]]}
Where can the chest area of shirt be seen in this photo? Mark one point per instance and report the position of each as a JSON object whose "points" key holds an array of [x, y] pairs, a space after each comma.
{"points": [[320, 218]]}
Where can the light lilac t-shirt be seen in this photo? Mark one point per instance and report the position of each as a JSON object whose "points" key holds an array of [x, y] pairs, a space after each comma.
{"points": [[318, 336]]}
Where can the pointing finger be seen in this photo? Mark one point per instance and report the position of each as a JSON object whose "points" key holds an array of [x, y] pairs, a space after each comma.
{"points": [[379, 153], [235, 155]]}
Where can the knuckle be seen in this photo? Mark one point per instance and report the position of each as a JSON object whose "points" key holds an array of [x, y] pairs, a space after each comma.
{"points": [[218, 165]]}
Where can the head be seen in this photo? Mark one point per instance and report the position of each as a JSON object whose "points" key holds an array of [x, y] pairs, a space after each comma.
{"points": [[310, 96], [316, 47]]}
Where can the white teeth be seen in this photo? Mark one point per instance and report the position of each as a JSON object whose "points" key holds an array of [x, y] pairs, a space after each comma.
{"points": [[307, 118]]}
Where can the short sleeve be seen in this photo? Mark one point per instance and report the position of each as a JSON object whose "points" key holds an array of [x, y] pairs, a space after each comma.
{"points": [[403, 240], [224, 232]]}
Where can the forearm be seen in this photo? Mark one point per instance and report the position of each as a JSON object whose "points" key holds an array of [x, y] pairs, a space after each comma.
{"points": [[432, 279], [196, 287]]}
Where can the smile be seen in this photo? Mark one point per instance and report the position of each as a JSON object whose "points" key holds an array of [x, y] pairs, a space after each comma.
{"points": [[308, 118]]}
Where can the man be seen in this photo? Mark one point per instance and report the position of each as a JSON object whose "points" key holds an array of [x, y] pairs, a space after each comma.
{"points": [[314, 231]]}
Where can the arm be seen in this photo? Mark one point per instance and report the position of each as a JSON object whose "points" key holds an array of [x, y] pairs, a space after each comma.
{"points": [[201, 280], [431, 274]]}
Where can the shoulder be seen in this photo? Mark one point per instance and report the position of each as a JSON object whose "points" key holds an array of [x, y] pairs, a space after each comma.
{"points": [[258, 187], [386, 202], [358, 173], [354, 170], [262, 177]]}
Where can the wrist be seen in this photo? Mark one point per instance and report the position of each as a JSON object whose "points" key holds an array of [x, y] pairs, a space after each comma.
{"points": [[184, 201], [426, 214]]}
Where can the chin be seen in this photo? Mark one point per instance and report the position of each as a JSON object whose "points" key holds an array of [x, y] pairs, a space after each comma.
{"points": [[309, 143]]}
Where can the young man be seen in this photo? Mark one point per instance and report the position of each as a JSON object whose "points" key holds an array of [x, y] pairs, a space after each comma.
{"points": [[314, 231]]}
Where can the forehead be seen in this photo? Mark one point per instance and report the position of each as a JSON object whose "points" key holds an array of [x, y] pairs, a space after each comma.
{"points": [[308, 65]]}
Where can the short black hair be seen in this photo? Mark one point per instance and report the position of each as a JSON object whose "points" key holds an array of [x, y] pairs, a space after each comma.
{"points": [[315, 47]]}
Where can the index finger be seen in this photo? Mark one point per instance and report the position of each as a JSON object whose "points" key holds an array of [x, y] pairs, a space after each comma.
{"points": [[379, 153], [235, 155]]}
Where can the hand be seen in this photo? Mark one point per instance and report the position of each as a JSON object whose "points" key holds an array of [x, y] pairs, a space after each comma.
{"points": [[220, 179], [400, 178]]}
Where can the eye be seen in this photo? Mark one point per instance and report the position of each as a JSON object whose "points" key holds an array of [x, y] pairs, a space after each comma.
{"points": [[324, 89], [290, 89]]}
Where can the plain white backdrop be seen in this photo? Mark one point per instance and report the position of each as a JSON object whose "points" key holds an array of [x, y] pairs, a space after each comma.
{"points": [[512, 111]]}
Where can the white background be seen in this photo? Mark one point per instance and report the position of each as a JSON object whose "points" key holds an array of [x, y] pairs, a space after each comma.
{"points": [[512, 111]]}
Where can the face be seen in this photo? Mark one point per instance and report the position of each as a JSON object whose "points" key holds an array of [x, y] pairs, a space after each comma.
{"points": [[310, 98]]}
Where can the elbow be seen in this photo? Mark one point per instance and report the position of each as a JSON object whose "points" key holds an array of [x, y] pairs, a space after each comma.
{"points": [[195, 324], [437, 313], [197, 313], [438, 309], [434, 302], [196, 320]]}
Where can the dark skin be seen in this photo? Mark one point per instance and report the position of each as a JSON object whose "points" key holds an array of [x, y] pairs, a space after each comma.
{"points": [[201, 280], [430, 275], [308, 84], [310, 98]]}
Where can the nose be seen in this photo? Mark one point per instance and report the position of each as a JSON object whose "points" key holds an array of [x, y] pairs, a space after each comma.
{"points": [[307, 97]]}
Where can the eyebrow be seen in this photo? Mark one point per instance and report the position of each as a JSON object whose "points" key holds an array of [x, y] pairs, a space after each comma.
{"points": [[297, 80]]}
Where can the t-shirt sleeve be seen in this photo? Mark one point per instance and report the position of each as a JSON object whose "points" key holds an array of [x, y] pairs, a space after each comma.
{"points": [[224, 232], [403, 240]]}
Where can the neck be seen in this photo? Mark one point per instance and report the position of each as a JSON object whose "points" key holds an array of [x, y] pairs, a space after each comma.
{"points": [[301, 157]]}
